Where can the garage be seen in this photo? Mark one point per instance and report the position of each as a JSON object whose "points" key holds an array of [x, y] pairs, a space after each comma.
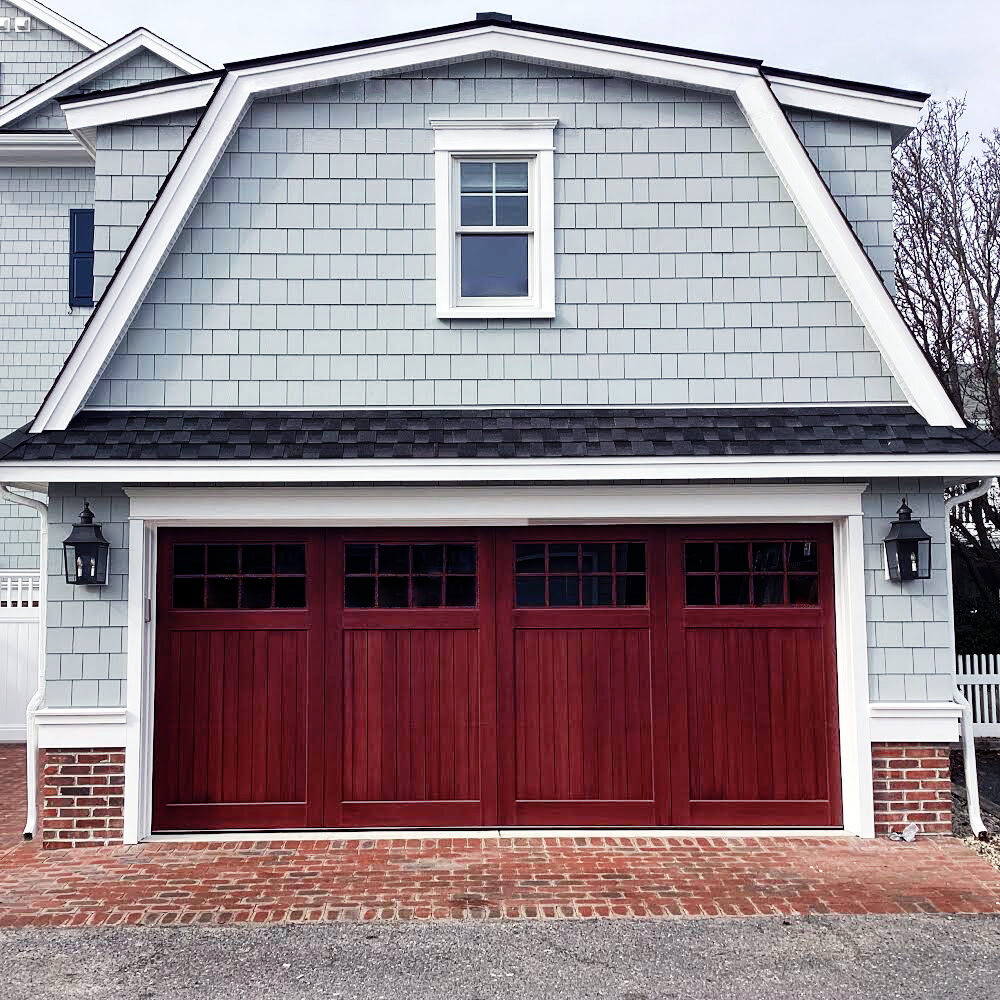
{"points": [[610, 676]]}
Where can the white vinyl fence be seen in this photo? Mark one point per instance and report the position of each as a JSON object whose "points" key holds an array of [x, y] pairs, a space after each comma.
{"points": [[978, 678], [19, 624]]}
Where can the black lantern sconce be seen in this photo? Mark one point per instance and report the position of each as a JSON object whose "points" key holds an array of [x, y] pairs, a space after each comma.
{"points": [[85, 552], [907, 548]]}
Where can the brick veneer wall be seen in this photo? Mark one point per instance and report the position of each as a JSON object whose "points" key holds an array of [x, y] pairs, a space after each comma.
{"points": [[912, 785], [82, 797]]}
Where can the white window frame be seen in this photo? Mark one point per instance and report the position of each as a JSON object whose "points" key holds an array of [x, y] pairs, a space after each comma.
{"points": [[529, 139]]}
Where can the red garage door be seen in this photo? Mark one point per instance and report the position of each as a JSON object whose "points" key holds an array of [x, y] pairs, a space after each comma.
{"points": [[601, 676]]}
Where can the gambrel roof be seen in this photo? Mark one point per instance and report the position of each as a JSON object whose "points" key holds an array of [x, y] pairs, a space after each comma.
{"points": [[745, 80]]}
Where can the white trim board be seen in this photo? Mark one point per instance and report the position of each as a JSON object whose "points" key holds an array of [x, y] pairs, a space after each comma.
{"points": [[956, 468], [93, 66], [42, 149], [53, 19], [166, 99], [238, 88], [915, 721], [80, 728]]}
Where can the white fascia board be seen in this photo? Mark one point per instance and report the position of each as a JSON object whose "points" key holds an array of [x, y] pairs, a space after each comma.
{"points": [[241, 85], [845, 103], [458, 505], [94, 66], [954, 468], [847, 258], [43, 149], [66, 27], [188, 95], [914, 721]]}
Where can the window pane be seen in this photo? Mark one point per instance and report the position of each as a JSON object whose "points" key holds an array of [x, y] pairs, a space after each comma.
{"points": [[768, 590], [476, 175], [290, 592], [359, 559], [257, 559], [632, 590], [494, 266], [290, 558], [699, 557], [597, 591], [511, 211], [531, 591], [189, 592], [460, 591], [511, 176], [734, 557], [256, 592], [630, 557], [189, 559], [223, 559], [768, 556], [803, 590], [802, 557], [359, 592], [529, 558], [222, 592], [563, 558], [393, 592], [460, 559], [393, 559], [734, 589], [597, 558], [701, 590], [564, 591], [477, 210], [428, 559], [427, 591]]}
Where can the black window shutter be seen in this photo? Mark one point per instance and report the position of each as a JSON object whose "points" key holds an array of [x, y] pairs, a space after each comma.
{"points": [[81, 257]]}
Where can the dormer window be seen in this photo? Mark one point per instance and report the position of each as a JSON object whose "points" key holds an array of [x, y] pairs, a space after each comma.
{"points": [[494, 218]]}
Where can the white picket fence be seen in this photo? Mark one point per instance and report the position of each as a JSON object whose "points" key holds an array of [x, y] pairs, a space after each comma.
{"points": [[19, 624], [978, 678]]}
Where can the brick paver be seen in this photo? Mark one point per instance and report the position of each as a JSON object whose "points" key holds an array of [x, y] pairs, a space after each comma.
{"points": [[298, 881]]}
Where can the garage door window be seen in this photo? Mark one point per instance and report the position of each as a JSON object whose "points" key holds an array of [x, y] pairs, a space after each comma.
{"points": [[580, 574], [255, 576], [410, 576], [748, 573]]}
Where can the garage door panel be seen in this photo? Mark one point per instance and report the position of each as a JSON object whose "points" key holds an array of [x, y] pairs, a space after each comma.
{"points": [[411, 715]]}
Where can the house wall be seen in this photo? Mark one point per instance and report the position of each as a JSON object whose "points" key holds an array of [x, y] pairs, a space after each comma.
{"points": [[141, 67], [28, 59], [37, 325], [908, 625], [305, 275]]}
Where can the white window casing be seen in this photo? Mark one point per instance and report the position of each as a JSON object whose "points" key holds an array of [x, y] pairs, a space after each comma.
{"points": [[529, 139]]}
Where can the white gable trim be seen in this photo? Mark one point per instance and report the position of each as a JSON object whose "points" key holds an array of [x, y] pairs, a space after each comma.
{"points": [[42, 149], [63, 25], [241, 85], [94, 66], [188, 95]]}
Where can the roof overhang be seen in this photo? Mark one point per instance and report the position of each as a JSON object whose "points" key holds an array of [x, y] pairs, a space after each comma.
{"points": [[100, 62], [954, 468], [69, 29], [42, 149], [245, 82]]}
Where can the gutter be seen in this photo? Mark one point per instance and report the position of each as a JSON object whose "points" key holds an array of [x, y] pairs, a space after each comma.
{"points": [[42, 509], [968, 741]]}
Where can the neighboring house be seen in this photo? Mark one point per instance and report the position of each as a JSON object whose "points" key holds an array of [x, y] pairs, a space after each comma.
{"points": [[495, 425], [47, 202]]}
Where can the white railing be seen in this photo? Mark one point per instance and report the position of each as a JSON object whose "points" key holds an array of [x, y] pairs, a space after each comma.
{"points": [[19, 624], [978, 678]]}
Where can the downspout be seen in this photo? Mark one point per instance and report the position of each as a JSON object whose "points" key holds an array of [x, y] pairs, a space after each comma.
{"points": [[968, 742], [42, 508]]}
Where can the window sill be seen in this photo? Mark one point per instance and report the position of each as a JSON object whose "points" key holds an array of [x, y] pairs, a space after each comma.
{"points": [[496, 312]]}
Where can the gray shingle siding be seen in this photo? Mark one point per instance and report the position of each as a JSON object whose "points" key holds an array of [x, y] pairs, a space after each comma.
{"points": [[28, 59], [305, 275], [855, 160], [141, 67], [37, 326]]}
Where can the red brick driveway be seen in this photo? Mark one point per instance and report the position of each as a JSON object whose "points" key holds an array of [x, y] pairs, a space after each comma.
{"points": [[263, 882]]}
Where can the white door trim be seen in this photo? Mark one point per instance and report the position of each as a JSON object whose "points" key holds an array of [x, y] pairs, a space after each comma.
{"points": [[837, 504]]}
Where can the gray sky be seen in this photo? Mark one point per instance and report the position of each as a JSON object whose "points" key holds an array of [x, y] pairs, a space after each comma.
{"points": [[948, 48]]}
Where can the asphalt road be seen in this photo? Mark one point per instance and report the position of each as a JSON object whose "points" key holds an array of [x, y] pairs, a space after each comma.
{"points": [[831, 957]]}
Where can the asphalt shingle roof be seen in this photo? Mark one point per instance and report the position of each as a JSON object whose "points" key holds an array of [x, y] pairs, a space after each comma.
{"points": [[230, 435]]}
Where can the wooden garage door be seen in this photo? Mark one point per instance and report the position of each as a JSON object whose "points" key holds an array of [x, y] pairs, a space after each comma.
{"points": [[239, 680], [753, 677]]}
